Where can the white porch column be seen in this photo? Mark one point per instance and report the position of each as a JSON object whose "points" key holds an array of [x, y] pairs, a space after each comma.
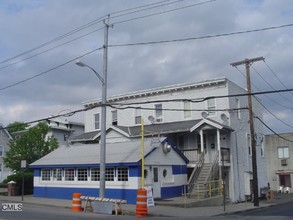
{"points": [[219, 145], [201, 140]]}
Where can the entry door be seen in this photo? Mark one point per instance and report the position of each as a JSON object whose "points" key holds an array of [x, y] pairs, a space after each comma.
{"points": [[156, 182]]}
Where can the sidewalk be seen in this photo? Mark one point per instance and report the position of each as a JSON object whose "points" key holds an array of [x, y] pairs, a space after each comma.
{"points": [[160, 210]]}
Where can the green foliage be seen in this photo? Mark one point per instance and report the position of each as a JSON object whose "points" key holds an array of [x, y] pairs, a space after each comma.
{"points": [[28, 181], [30, 146], [16, 126]]}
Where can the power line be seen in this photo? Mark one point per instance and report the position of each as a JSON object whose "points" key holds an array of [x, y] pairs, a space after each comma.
{"points": [[49, 70], [272, 130], [202, 37], [52, 48], [162, 12]]}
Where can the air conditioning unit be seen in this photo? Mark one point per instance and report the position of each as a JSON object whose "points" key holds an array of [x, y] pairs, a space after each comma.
{"points": [[159, 119], [284, 162]]}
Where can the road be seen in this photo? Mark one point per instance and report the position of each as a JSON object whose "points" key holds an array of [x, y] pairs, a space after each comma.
{"points": [[36, 212]]}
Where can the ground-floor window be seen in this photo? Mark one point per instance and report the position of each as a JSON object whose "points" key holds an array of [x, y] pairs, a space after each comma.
{"points": [[46, 174], [109, 176], [85, 174], [95, 174], [82, 174], [122, 173], [57, 174], [69, 174]]}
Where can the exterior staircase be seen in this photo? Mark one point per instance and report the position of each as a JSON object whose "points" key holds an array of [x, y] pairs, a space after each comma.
{"points": [[200, 186]]}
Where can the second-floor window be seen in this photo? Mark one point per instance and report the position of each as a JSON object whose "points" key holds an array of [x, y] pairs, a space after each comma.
{"points": [[158, 112], [283, 152], [211, 104], [114, 117], [137, 116], [97, 121], [1, 151], [248, 144], [187, 108]]}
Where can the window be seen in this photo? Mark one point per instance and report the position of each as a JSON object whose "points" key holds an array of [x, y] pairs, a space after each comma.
{"points": [[211, 107], [122, 173], [238, 108], [82, 174], [69, 174], [109, 176], [158, 112], [1, 165], [283, 152], [114, 117], [1, 151], [262, 150], [46, 174], [187, 108], [97, 121], [248, 144], [57, 174], [95, 174], [137, 116]]}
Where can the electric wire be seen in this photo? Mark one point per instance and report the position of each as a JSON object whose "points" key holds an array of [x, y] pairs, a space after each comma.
{"points": [[49, 70], [202, 37], [272, 130], [270, 85], [265, 106]]}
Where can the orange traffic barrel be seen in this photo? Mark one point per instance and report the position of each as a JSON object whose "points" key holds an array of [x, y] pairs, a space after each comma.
{"points": [[141, 203], [76, 202]]}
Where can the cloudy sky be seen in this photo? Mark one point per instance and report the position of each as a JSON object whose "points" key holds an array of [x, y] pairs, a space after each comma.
{"points": [[40, 39]]}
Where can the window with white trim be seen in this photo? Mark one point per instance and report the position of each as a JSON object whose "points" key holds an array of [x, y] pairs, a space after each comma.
{"points": [[82, 174], [187, 109], [238, 108], [283, 152], [95, 174], [69, 174], [109, 175], [114, 117], [248, 144], [97, 121], [46, 174], [137, 116], [1, 151], [122, 173], [159, 112], [57, 174], [1, 167], [211, 105]]}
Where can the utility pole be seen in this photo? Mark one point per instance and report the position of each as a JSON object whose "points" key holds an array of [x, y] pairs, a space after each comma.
{"points": [[248, 63], [103, 115]]}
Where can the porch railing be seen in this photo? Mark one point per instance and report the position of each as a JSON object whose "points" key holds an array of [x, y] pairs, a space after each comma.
{"points": [[195, 173], [193, 155]]}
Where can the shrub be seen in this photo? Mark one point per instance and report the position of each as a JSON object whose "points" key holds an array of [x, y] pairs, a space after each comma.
{"points": [[28, 181]]}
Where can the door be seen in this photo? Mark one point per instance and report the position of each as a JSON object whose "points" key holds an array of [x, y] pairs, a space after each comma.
{"points": [[156, 182]]}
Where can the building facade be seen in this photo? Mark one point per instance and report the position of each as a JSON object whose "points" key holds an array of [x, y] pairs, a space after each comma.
{"points": [[208, 121], [76, 169], [5, 137], [279, 151]]}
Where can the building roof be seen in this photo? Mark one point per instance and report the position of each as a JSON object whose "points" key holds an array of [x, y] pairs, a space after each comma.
{"points": [[153, 129], [160, 90], [88, 154]]}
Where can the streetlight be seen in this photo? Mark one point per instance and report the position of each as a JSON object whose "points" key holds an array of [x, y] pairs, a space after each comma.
{"points": [[103, 127]]}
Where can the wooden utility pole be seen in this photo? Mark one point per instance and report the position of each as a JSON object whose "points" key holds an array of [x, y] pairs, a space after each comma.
{"points": [[248, 63]]}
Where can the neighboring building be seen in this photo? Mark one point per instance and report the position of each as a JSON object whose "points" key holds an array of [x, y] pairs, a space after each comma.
{"points": [[212, 133], [62, 130], [5, 137], [76, 169], [279, 151]]}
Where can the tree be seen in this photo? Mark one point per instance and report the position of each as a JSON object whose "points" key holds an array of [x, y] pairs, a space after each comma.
{"points": [[30, 146], [16, 126]]}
